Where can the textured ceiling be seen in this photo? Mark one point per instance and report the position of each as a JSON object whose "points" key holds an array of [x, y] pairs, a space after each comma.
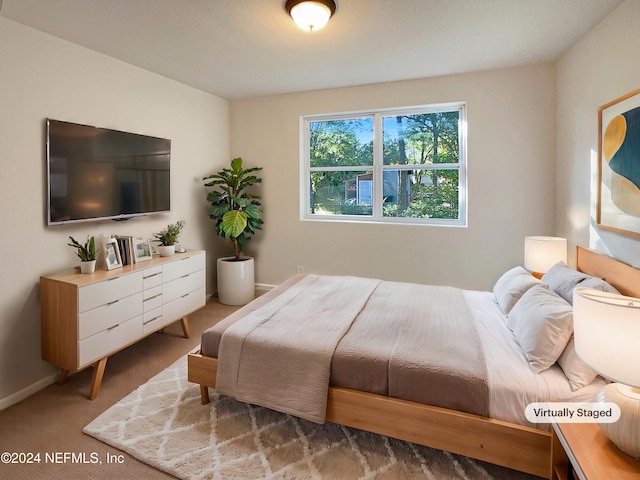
{"points": [[245, 48]]}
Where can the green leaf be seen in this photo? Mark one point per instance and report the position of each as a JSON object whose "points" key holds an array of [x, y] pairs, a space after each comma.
{"points": [[218, 210], [215, 196], [233, 223], [252, 211], [236, 165]]}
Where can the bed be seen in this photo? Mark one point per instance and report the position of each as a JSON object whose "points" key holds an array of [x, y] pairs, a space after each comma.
{"points": [[495, 431]]}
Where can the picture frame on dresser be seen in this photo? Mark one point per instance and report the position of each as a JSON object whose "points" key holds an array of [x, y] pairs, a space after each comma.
{"points": [[112, 258], [141, 250]]}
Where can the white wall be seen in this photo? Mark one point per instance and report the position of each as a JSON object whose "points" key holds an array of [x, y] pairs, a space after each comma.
{"points": [[511, 143], [603, 66], [42, 76]]}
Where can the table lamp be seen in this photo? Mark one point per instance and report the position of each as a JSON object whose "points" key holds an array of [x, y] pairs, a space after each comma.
{"points": [[541, 253], [606, 332]]}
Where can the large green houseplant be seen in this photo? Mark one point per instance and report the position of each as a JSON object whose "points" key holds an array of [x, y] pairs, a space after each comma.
{"points": [[235, 210], [237, 216]]}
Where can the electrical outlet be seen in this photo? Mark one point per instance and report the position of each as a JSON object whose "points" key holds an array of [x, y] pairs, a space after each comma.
{"points": [[299, 269]]}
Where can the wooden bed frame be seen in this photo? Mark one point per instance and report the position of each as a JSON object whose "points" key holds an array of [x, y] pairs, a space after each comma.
{"points": [[502, 443]]}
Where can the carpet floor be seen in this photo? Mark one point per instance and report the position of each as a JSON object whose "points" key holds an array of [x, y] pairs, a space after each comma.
{"points": [[163, 424]]}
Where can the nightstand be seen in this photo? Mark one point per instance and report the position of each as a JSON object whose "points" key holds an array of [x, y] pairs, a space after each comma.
{"points": [[587, 449]]}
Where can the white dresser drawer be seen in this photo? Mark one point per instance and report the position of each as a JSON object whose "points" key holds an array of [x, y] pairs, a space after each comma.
{"points": [[115, 338], [183, 285], [152, 320], [152, 277], [184, 266], [152, 298], [182, 306], [102, 293], [106, 316]]}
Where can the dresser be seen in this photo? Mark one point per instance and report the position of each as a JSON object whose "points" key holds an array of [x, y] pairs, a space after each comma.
{"points": [[88, 317]]}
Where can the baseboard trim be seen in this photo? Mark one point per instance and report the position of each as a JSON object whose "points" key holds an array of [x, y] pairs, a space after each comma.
{"points": [[28, 391]]}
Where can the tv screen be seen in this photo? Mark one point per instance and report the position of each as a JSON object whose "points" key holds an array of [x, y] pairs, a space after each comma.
{"points": [[98, 174]]}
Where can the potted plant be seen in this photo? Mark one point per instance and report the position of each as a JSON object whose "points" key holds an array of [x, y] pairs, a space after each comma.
{"points": [[168, 238], [237, 216], [86, 253]]}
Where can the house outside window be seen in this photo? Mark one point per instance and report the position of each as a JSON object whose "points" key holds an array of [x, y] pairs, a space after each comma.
{"points": [[391, 166]]}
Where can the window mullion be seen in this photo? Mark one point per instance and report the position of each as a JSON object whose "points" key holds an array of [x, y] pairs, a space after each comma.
{"points": [[378, 153]]}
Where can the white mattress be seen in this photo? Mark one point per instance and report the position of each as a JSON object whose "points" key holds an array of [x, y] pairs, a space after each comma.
{"points": [[512, 383]]}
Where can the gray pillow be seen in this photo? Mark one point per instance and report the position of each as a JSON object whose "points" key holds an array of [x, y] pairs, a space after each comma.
{"points": [[562, 280], [542, 324], [598, 284], [511, 286]]}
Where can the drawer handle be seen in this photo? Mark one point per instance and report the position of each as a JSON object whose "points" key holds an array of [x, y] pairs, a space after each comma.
{"points": [[111, 328], [112, 303], [152, 275], [155, 296], [112, 279], [185, 295], [185, 276], [152, 320]]}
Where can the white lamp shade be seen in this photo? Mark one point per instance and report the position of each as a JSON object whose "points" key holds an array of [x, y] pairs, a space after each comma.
{"points": [[541, 253], [310, 15], [606, 332]]}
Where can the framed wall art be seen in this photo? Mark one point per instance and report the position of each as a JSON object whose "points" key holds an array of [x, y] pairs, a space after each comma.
{"points": [[618, 202]]}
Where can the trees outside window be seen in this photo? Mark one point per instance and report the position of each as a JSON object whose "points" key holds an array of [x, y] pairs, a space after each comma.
{"points": [[394, 166]]}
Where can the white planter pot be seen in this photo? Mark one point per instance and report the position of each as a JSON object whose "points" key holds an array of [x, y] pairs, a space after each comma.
{"points": [[166, 250], [88, 267], [236, 281]]}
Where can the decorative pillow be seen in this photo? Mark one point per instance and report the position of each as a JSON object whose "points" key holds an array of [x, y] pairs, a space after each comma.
{"points": [[562, 280], [598, 284], [542, 324], [511, 286], [578, 372]]}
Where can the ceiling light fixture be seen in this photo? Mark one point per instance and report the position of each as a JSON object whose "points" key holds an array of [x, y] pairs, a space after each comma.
{"points": [[310, 15]]}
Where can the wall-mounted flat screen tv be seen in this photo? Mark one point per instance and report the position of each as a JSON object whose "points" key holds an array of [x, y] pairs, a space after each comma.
{"points": [[98, 174]]}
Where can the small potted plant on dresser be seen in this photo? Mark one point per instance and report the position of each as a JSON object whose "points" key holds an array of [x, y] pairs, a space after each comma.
{"points": [[86, 253], [168, 238], [237, 216]]}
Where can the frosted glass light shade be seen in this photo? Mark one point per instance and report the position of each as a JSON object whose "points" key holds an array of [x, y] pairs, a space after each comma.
{"points": [[541, 253], [606, 330], [311, 15]]}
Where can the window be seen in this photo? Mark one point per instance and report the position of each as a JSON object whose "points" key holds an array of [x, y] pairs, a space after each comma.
{"points": [[393, 166]]}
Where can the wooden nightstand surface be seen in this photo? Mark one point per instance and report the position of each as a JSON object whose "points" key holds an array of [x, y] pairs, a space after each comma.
{"points": [[592, 454]]}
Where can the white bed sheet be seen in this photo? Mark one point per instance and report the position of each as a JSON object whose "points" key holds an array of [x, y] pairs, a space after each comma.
{"points": [[512, 383]]}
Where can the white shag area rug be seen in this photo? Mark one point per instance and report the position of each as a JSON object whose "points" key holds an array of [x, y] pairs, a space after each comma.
{"points": [[164, 424]]}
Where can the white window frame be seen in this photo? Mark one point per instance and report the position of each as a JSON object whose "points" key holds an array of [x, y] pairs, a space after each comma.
{"points": [[377, 168]]}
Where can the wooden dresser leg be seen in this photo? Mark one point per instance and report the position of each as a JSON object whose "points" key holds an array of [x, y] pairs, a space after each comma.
{"points": [[63, 376], [204, 394], [185, 327], [96, 379]]}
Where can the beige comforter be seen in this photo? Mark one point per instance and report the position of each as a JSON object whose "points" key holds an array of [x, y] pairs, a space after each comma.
{"points": [[280, 355], [417, 338]]}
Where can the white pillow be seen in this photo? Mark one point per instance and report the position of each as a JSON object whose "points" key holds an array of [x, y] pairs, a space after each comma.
{"points": [[578, 372], [542, 323], [511, 286]]}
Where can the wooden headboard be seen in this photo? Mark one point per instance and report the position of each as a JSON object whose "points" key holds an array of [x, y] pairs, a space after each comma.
{"points": [[622, 276]]}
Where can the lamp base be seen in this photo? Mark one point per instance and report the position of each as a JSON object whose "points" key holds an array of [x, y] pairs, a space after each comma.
{"points": [[625, 433]]}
